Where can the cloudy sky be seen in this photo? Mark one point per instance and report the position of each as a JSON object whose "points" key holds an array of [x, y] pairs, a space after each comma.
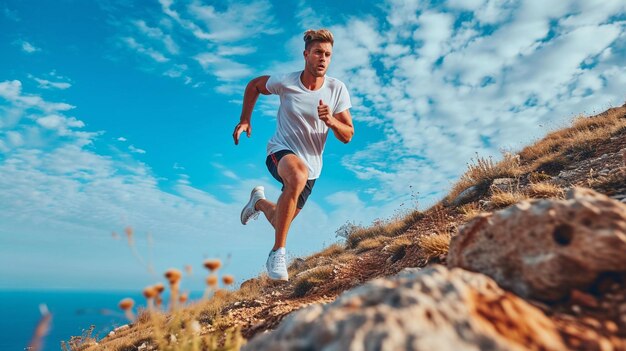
{"points": [[114, 114]]}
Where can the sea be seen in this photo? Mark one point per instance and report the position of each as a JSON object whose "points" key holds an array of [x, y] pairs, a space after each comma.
{"points": [[73, 312]]}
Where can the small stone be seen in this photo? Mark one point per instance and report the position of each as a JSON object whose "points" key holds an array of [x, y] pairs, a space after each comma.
{"points": [[502, 184], [610, 326], [583, 299], [576, 309], [195, 327]]}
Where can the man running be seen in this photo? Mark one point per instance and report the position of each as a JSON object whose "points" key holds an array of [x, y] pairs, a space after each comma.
{"points": [[311, 103]]}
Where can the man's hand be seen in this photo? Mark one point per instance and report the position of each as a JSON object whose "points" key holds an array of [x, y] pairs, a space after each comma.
{"points": [[323, 111], [240, 128]]}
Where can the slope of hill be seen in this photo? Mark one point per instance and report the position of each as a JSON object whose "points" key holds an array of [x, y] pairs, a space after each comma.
{"points": [[588, 313]]}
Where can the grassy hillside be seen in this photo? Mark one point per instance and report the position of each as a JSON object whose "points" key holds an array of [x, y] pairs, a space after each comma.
{"points": [[573, 156]]}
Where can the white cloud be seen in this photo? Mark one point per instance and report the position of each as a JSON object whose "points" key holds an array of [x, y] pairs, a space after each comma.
{"points": [[224, 69], [142, 49], [157, 34], [28, 47], [490, 91], [122, 139], [47, 84], [61, 124], [238, 21], [136, 150], [11, 91]]}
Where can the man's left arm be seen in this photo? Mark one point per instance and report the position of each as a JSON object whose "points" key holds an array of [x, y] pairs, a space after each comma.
{"points": [[340, 123]]}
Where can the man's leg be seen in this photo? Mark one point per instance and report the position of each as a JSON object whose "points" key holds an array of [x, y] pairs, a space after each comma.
{"points": [[294, 174], [268, 208]]}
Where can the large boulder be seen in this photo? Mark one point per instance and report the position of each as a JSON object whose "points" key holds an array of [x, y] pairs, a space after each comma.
{"points": [[544, 249], [430, 309]]}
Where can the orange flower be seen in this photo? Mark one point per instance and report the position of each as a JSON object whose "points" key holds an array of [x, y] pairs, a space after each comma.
{"points": [[212, 264], [211, 280], [159, 287], [183, 297], [228, 279], [126, 305], [173, 275]]}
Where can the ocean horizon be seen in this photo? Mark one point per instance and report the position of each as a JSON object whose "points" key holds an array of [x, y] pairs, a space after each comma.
{"points": [[73, 312]]}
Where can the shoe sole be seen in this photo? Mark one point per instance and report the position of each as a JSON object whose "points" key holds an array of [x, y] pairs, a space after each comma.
{"points": [[246, 206], [283, 279]]}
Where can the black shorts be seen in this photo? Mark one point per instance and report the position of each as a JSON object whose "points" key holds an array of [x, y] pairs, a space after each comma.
{"points": [[272, 165]]}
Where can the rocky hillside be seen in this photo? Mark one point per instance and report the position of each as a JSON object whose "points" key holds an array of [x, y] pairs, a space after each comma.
{"points": [[525, 254]]}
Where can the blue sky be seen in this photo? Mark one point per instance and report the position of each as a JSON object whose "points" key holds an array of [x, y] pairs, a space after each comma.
{"points": [[115, 114]]}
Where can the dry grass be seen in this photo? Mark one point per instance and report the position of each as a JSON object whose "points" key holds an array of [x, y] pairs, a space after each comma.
{"points": [[435, 245], [483, 170], [545, 190], [537, 177], [389, 228], [155, 328], [307, 280], [500, 199], [371, 243], [577, 141], [469, 211], [330, 251]]}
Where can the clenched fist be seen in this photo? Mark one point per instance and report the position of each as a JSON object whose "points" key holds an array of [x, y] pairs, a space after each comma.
{"points": [[323, 111]]}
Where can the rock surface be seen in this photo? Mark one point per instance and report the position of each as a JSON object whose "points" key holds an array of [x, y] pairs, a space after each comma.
{"points": [[470, 194], [544, 249], [502, 184], [430, 309]]}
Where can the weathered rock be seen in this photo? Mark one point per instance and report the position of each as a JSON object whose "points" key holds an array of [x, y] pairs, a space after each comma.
{"points": [[502, 184], [430, 309], [545, 248], [470, 194]]}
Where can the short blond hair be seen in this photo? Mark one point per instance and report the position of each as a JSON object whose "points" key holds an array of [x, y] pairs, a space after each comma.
{"points": [[321, 35]]}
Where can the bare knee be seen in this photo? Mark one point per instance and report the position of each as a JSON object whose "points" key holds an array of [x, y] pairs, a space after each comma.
{"points": [[294, 174], [296, 181]]}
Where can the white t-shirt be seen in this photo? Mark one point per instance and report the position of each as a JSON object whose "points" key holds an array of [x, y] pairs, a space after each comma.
{"points": [[299, 128]]}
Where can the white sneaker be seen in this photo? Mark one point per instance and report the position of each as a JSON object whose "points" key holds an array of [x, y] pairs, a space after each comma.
{"points": [[248, 211], [276, 265]]}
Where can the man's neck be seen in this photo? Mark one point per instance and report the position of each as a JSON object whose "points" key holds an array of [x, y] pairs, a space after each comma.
{"points": [[310, 81]]}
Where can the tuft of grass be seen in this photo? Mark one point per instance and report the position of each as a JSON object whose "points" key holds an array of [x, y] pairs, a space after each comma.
{"points": [[550, 164], [469, 211], [345, 258], [435, 245], [537, 177], [371, 243], [545, 190], [333, 250], [307, 280], [500, 199], [389, 228], [484, 170]]}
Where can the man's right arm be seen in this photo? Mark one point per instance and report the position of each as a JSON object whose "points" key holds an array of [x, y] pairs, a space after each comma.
{"points": [[254, 88]]}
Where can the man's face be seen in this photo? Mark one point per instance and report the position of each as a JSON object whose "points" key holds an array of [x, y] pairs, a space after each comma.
{"points": [[317, 58]]}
